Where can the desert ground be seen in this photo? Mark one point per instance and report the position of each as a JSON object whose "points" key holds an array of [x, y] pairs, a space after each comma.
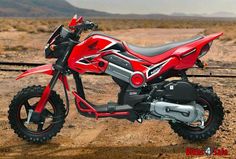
{"points": [[111, 138]]}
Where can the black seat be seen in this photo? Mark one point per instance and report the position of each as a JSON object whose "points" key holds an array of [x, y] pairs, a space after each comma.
{"points": [[152, 51]]}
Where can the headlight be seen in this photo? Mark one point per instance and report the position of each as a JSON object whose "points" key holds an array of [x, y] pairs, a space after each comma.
{"points": [[55, 34], [57, 43]]}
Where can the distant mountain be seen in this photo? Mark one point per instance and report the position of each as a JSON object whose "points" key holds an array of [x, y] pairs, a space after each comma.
{"points": [[57, 8], [221, 14], [217, 14], [43, 8], [62, 8], [179, 14]]}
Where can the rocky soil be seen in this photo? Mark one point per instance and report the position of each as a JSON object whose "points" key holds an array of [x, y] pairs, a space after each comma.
{"points": [[111, 138]]}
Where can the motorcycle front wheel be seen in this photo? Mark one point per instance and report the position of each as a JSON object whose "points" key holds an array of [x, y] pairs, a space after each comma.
{"points": [[52, 120], [213, 117]]}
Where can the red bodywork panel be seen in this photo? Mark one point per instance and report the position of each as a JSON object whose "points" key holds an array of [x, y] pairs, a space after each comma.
{"points": [[75, 21], [90, 47], [96, 47], [45, 69]]}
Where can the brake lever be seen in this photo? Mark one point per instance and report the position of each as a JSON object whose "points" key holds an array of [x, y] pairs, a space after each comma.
{"points": [[95, 27]]}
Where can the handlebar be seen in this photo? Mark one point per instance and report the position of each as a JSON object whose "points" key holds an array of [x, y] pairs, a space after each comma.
{"points": [[86, 25], [62, 36], [90, 25]]}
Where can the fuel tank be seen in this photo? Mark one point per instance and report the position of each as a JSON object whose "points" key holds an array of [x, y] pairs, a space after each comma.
{"points": [[90, 48]]}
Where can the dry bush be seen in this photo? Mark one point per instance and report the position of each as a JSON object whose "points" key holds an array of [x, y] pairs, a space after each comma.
{"points": [[1, 48], [229, 32], [210, 25], [16, 48], [38, 25], [30, 25], [43, 29]]}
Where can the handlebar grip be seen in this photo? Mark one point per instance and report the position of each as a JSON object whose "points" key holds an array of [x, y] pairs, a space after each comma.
{"points": [[95, 26], [90, 25], [86, 25]]}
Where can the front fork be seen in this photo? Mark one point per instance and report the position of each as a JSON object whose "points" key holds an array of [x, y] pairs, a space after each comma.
{"points": [[40, 106], [36, 115], [44, 98]]}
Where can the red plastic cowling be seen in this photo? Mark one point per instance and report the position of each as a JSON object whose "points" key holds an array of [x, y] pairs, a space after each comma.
{"points": [[137, 79], [74, 21]]}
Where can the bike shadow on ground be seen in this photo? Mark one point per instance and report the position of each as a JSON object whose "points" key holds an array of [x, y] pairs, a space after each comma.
{"points": [[56, 150]]}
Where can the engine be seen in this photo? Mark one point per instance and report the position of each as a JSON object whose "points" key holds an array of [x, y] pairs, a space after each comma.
{"points": [[175, 100], [179, 92], [172, 100]]}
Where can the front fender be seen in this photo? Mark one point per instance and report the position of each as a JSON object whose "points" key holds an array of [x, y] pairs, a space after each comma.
{"points": [[45, 69]]}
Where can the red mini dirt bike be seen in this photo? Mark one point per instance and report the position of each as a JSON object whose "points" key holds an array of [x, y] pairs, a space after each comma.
{"points": [[194, 112]]}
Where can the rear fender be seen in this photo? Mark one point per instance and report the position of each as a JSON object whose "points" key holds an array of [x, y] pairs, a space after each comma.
{"points": [[45, 69], [189, 53], [212, 37]]}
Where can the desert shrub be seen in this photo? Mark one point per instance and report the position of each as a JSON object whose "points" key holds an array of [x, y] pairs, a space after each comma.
{"points": [[1, 48], [16, 48], [43, 29], [38, 25]]}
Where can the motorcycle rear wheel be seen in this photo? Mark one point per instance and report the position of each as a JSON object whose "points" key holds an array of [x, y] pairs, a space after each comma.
{"points": [[211, 103], [53, 115]]}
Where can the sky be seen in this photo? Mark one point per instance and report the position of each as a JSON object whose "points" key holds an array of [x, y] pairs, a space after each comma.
{"points": [[158, 6]]}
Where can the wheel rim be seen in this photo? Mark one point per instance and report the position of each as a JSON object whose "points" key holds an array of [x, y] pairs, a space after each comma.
{"points": [[35, 128]]}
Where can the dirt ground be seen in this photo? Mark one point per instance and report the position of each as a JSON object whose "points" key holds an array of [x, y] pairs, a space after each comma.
{"points": [[111, 138]]}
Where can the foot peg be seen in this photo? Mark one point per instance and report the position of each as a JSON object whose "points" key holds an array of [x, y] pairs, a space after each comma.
{"points": [[111, 107]]}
